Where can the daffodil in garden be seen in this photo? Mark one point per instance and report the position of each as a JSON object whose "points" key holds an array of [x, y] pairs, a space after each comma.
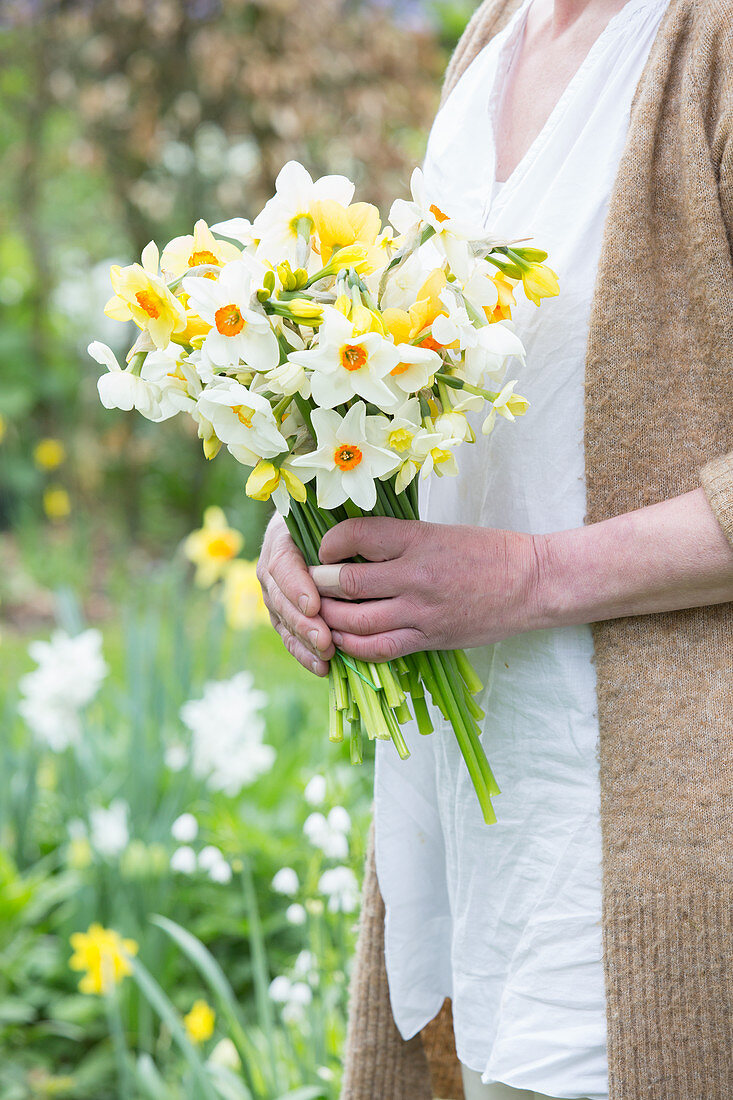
{"points": [[212, 547], [241, 596], [104, 956], [49, 454], [141, 295], [199, 1022], [56, 502]]}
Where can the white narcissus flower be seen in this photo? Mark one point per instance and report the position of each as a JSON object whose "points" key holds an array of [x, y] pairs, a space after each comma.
{"points": [[285, 882], [242, 419], [451, 234], [479, 289], [415, 369], [121, 389], [345, 463], [108, 830], [495, 344], [286, 218], [507, 404], [347, 365], [175, 377], [183, 253], [238, 332]]}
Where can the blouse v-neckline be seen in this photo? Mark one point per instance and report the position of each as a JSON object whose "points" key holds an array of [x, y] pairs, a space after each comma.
{"points": [[514, 33]]}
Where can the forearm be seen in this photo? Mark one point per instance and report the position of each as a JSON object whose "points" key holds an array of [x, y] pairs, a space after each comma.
{"points": [[664, 557]]}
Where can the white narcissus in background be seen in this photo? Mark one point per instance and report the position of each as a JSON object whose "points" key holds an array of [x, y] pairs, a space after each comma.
{"points": [[242, 419], [345, 463], [238, 332], [346, 365]]}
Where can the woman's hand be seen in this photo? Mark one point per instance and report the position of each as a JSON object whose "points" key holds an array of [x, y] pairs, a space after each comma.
{"points": [[425, 586], [292, 599]]}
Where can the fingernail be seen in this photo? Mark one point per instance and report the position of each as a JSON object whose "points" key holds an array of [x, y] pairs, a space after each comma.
{"points": [[315, 664], [313, 635], [303, 603], [336, 638], [326, 578]]}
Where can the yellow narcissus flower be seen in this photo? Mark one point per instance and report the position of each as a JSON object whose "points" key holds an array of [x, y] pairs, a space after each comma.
{"points": [[540, 281], [241, 596], [104, 955], [212, 547], [338, 226], [49, 453], [202, 247], [502, 311], [199, 1022], [142, 296], [268, 480], [56, 502]]}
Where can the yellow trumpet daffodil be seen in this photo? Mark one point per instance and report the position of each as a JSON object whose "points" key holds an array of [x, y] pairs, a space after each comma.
{"points": [[142, 296], [241, 595], [212, 547], [199, 1022], [105, 957], [48, 454]]}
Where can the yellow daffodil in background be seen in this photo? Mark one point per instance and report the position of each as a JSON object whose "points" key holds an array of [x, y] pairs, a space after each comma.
{"points": [[48, 454], [241, 596], [141, 295], [105, 957], [201, 247], [540, 281], [199, 1022], [212, 547], [56, 502], [3, 427]]}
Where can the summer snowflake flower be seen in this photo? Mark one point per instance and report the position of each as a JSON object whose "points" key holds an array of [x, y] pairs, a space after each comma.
{"points": [[345, 463], [293, 996], [329, 833], [295, 914], [238, 332], [315, 790], [242, 419], [340, 886], [183, 253], [286, 882], [142, 296], [347, 365], [105, 957], [227, 726], [185, 828], [69, 674], [287, 217], [212, 547], [183, 860]]}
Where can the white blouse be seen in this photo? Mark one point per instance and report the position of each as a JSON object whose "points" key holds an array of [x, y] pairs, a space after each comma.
{"points": [[506, 919]]}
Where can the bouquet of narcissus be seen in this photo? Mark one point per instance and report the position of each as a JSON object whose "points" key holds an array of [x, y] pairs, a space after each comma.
{"points": [[336, 358]]}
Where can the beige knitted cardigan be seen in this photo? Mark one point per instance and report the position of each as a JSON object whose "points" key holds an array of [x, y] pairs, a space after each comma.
{"points": [[659, 399]]}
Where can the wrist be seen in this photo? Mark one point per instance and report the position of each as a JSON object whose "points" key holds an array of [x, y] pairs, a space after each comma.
{"points": [[563, 585]]}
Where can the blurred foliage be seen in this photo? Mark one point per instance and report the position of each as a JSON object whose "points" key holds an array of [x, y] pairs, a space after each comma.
{"points": [[125, 121]]}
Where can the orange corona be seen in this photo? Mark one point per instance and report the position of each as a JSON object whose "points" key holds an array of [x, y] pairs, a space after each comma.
{"points": [[347, 456], [438, 213], [148, 302], [229, 321], [353, 357]]}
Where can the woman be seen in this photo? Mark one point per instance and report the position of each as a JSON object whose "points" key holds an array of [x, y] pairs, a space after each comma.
{"points": [[604, 129]]}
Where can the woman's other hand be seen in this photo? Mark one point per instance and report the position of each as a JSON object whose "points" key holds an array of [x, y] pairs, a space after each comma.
{"points": [[292, 599], [424, 586]]}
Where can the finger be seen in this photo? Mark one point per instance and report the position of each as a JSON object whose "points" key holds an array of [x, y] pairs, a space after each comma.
{"points": [[290, 573], [360, 581], [381, 647], [374, 537], [296, 649], [371, 617], [313, 632]]}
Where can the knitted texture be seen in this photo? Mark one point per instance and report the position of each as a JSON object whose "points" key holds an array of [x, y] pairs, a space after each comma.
{"points": [[658, 422]]}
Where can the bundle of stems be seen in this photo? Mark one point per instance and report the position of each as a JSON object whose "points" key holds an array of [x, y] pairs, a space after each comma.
{"points": [[371, 697]]}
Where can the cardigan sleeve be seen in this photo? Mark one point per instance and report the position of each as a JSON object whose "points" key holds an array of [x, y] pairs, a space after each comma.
{"points": [[717, 481]]}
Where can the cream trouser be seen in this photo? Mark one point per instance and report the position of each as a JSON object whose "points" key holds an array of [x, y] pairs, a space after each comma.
{"points": [[475, 1089]]}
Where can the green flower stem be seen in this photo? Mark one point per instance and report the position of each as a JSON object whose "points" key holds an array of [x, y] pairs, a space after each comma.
{"points": [[459, 384], [468, 673], [114, 1023]]}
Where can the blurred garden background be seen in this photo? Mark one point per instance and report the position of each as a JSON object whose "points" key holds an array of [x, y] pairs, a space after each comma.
{"points": [[180, 845]]}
